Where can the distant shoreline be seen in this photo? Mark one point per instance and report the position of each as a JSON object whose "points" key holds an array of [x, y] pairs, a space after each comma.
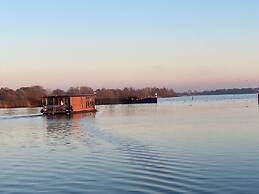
{"points": [[221, 92], [32, 96], [113, 101]]}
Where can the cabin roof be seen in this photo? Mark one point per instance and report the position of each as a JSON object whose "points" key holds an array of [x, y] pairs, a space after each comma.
{"points": [[67, 95]]}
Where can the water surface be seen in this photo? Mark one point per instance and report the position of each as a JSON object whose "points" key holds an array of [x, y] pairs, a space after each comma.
{"points": [[209, 144]]}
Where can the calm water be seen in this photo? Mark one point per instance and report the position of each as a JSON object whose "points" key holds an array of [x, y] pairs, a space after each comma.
{"points": [[204, 145]]}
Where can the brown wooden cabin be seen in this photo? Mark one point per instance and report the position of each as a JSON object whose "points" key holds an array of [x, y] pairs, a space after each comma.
{"points": [[68, 104]]}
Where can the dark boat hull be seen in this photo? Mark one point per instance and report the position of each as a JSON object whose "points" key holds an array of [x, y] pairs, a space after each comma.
{"points": [[133, 100], [67, 112], [143, 101]]}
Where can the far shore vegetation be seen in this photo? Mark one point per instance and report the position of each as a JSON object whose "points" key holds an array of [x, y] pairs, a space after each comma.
{"points": [[32, 96], [221, 92]]}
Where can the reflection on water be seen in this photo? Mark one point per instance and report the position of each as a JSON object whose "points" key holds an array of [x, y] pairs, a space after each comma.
{"points": [[211, 146], [60, 128]]}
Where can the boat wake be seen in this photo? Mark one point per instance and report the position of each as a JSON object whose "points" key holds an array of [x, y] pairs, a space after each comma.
{"points": [[143, 166], [19, 116]]}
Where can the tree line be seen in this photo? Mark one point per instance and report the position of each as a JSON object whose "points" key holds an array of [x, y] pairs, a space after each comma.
{"points": [[32, 96], [221, 92], [231, 91]]}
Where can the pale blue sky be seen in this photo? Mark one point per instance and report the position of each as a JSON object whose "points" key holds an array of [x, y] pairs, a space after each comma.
{"points": [[184, 44]]}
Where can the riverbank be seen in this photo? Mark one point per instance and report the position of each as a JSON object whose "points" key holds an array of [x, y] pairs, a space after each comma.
{"points": [[32, 96]]}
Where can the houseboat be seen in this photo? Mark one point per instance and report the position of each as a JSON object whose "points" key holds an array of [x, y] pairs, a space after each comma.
{"points": [[68, 104]]}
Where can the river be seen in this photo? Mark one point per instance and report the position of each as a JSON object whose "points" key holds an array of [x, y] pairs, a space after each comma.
{"points": [[208, 144]]}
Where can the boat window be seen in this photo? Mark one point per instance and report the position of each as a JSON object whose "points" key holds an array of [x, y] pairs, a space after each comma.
{"points": [[67, 101], [50, 101]]}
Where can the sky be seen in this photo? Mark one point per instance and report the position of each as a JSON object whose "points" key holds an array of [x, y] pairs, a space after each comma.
{"points": [[180, 44]]}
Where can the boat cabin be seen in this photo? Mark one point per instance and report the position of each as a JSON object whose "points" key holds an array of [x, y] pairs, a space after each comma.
{"points": [[67, 104]]}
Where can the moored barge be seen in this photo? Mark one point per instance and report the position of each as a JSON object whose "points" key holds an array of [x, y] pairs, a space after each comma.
{"points": [[68, 104]]}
